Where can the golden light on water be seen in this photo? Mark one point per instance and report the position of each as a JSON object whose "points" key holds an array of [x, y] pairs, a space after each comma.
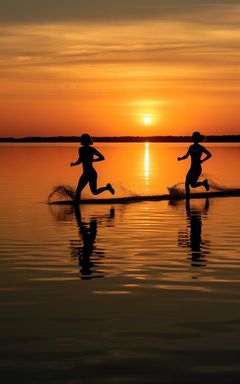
{"points": [[146, 165]]}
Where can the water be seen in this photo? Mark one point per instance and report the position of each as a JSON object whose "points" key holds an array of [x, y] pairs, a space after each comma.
{"points": [[134, 293]]}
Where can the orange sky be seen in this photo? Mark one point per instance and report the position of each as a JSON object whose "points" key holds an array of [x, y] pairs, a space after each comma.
{"points": [[105, 75]]}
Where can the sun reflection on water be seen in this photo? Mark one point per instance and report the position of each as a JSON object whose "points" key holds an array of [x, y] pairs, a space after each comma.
{"points": [[146, 166]]}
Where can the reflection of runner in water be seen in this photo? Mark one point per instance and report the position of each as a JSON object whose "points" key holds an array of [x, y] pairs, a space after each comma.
{"points": [[195, 151], [88, 155], [193, 238], [85, 250], [88, 254]]}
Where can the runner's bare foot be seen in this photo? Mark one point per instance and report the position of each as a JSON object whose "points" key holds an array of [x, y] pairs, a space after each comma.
{"points": [[206, 185], [110, 188]]}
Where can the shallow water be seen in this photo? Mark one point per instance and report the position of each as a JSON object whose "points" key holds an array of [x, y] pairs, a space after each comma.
{"points": [[134, 293]]}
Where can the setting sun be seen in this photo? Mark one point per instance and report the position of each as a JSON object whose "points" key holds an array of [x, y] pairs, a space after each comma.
{"points": [[147, 120]]}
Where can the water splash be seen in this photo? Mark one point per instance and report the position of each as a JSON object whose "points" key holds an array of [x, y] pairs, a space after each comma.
{"points": [[126, 191], [63, 191], [176, 190], [218, 187]]}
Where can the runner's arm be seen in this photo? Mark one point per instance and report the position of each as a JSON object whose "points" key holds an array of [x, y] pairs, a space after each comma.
{"points": [[208, 155], [99, 156], [185, 156], [79, 161]]}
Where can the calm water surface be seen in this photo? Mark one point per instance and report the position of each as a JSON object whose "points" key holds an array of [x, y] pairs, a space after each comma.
{"points": [[133, 293]]}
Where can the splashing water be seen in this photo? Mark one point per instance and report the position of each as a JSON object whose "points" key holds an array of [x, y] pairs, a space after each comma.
{"points": [[63, 191], [127, 192], [218, 187], [176, 191]]}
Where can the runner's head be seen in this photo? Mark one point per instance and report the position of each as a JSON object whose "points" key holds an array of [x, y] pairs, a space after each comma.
{"points": [[86, 139], [197, 137]]}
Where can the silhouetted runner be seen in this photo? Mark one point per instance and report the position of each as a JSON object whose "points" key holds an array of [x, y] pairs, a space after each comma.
{"points": [[195, 151], [88, 155]]}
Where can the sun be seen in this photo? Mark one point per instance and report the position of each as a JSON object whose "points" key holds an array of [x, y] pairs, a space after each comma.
{"points": [[147, 119]]}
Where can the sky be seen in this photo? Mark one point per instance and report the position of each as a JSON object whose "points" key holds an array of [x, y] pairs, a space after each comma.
{"points": [[114, 68]]}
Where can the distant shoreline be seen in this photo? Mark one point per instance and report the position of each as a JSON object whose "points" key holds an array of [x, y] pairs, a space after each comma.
{"points": [[121, 139]]}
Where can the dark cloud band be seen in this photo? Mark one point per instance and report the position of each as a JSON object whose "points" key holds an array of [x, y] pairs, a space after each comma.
{"points": [[25, 11]]}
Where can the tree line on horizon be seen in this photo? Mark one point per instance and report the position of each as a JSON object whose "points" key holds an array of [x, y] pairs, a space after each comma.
{"points": [[117, 139]]}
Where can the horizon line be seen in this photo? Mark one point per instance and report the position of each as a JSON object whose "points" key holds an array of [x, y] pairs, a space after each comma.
{"points": [[125, 138]]}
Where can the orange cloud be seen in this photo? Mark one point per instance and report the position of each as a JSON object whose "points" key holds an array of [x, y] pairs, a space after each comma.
{"points": [[62, 78]]}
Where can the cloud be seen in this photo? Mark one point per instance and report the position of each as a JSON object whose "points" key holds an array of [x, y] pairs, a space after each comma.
{"points": [[58, 11], [151, 54], [136, 43]]}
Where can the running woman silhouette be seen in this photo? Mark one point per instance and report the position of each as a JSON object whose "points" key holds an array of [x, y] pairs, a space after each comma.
{"points": [[88, 155], [195, 151]]}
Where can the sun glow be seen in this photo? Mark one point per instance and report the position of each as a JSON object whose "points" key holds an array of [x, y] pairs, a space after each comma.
{"points": [[147, 120]]}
